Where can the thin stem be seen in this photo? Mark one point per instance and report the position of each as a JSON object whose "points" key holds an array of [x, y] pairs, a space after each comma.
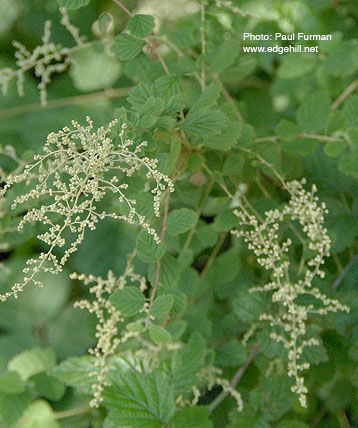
{"points": [[157, 273], [199, 212], [275, 138], [345, 94], [341, 277], [121, 5], [213, 255], [72, 412], [64, 102], [235, 380], [203, 45]]}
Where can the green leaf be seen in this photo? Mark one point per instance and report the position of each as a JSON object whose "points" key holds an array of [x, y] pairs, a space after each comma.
{"points": [[149, 113], [287, 130], [159, 334], [231, 354], [342, 60], [227, 138], [176, 328], [11, 383], [95, 60], [182, 367], [161, 306], [48, 386], [147, 249], [38, 415], [224, 56], [191, 417], [203, 122], [334, 148], [315, 354], [225, 221], [135, 326], [74, 372], [129, 301], [73, 4], [350, 108], [181, 220], [139, 95], [141, 25], [249, 306], [139, 400], [169, 272], [208, 98], [36, 360], [167, 87], [126, 47], [313, 113], [12, 406], [293, 66], [348, 163]]}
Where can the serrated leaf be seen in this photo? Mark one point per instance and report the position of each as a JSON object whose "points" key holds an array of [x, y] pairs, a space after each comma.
{"points": [[181, 220], [162, 305], [128, 301], [139, 95], [141, 25], [147, 249], [159, 334], [73, 4], [36, 360], [226, 139], [192, 417], [149, 113], [169, 272], [167, 86], [38, 415], [313, 113], [183, 366], [208, 98], [139, 400], [11, 383], [74, 372], [126, 47], [204, 122]]}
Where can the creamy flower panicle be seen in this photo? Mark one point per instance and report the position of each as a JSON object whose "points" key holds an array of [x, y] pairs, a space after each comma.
{"points": [[262, 237], [79, 167]]}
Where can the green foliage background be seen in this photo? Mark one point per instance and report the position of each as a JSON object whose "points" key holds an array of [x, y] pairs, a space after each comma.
{"points": [[287, 108]]}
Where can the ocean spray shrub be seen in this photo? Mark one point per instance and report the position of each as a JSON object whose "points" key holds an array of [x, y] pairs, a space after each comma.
{"points": [[221, 288]]}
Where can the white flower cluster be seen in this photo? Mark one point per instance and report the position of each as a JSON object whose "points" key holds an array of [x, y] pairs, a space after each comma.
{"points": [[45, 60], [79, 169], [108, 317], [262, 237]]}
